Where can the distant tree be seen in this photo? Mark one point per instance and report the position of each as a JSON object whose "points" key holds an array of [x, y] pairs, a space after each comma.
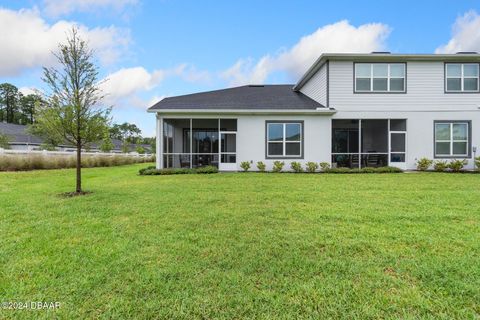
{"points": [[71, 112], [126, 132], [107, 144], [4, 140], [27, 107], [9, 98]]}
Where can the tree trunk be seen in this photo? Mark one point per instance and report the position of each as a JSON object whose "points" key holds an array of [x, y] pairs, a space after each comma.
{"points": [[79, 167]]}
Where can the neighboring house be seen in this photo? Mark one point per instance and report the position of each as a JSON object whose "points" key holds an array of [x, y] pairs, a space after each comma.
{"points": [[20, 139], [351, 110]]}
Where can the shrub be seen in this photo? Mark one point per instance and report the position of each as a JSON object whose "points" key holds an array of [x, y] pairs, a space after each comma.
{"points": [[325, 166], [457, 165], [206, 170], [261, 166], [342, 170], [366, 170], [477, 163], [311, 167], [440, 165], [278, 166], [245, 165], [151, 171], [423, 164], [296, 166], [388, 170]]}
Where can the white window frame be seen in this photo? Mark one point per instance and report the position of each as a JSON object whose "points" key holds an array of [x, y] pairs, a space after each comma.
{"points": [[451, 140], [462, 77], [389, 76], [284, 140]]}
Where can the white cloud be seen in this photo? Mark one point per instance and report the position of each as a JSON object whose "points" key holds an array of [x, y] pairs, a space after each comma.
{"points": [[122, 88], [55, 8], [27, 90], [337, 37], [28, 40], [465, 34]]}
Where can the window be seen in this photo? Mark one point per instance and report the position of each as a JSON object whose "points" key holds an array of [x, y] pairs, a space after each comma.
{"points": [[461, 77], [452, 139], [284, 139], [379, 77]]}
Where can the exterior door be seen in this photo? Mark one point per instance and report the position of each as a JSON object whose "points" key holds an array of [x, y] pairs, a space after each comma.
{"points": [[398, 149], [228, 151]]}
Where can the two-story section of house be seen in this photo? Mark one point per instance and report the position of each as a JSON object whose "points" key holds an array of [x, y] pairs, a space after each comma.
{"points": [[351, 110]]}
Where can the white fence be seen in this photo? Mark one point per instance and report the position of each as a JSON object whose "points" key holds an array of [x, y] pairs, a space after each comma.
{"points": [[72, 153]]}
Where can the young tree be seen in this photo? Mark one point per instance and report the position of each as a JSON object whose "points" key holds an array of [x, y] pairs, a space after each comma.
{"points": [[107, 144], [4, 140], [71, 112]]}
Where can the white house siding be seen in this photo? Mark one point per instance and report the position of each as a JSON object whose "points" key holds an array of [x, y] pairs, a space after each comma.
{"points": [[316, 87], [425, 91], [251, 139]]}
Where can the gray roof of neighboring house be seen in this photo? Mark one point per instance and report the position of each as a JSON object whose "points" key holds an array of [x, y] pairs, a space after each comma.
{"points": [[17, 134], [254, 97]]}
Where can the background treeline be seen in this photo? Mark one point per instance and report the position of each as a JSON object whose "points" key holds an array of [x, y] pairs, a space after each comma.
{"points": [[17, 108]]}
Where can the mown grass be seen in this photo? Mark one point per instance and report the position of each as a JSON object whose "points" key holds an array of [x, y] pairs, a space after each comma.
{"points": [[241, 245]]}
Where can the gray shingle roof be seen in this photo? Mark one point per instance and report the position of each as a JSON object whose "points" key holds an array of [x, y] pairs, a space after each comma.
{"points": [[17, 134], [255, 97]]}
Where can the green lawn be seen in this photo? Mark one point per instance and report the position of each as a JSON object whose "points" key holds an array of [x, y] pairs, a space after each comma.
{"points": [[241, 245]]}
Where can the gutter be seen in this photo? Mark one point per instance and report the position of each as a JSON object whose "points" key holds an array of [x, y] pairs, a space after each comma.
{"points": [[318, 111]]}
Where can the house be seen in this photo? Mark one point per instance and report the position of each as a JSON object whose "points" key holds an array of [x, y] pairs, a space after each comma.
{"points": [[20, 139], [350, 110]]}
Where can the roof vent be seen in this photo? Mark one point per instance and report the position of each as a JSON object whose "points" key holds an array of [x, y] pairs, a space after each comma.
{"points": [[381, 52], [467, 52]]}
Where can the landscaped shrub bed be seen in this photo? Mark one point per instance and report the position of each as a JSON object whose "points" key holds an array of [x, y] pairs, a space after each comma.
{"points": [[152, 171], [25, 162]]}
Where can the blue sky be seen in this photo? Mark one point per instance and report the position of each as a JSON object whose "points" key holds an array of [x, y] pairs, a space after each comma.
{"points": [[152, 49]]}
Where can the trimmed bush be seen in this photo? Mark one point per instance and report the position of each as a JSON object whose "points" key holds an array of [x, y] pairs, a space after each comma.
{"points": [[278, 166], [261, 166], [245, 165], [440, 165], [325, 166], [457, 165], [296, 166], [477, 163], [311, 167], [423, 164], [151, 171], [366, 170]]}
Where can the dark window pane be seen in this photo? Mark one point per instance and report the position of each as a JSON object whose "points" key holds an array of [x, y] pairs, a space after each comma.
{"points": [[374, 160], [397, 157], [174, 140], [228, 124], [470, 84], [454, 70], [363, 84], [442, 148], [275, 149], [454, 84], [442, 131], [345, 161], [397, 142], [374, 136], [459, 148], [380, 84], [229, 143], [275, 131], [398, 125], [205, 141], [293, 132], [460, 131], [176, 161], [229, 158], [470, 70], [201, 160], [293, 149], [362, 70], [397, 84]]}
